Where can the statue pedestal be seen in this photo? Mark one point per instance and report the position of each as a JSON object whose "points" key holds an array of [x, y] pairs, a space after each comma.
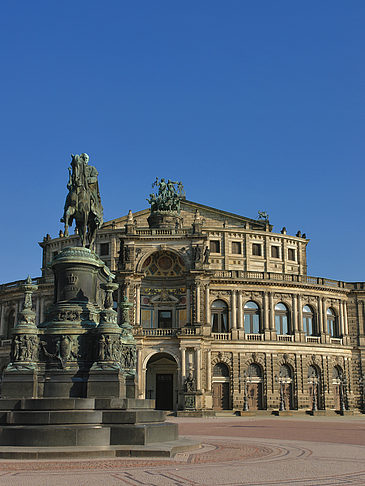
{"points": [[164, 219], [71, 381]]}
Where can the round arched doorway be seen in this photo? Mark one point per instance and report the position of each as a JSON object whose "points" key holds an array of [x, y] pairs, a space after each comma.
{"points": [[254, 387], [221, 387], [286, 376], [161, 381], [337, 376]]}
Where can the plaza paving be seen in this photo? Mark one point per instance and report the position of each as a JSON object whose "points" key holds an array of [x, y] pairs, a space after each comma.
{"points": [[254, 451]]}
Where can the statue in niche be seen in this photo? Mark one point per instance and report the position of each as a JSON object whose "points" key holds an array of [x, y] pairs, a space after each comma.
{"points": [[197, 254], [102, 348], [206, 255], [16, 348], [189, 383], [129, 355], [108, 348]]}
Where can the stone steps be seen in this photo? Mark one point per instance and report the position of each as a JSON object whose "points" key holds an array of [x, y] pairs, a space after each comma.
{"points": [[165, 449], [55, 422]]}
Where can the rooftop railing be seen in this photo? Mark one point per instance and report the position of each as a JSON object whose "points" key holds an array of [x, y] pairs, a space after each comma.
{"points": [[279, 277]]}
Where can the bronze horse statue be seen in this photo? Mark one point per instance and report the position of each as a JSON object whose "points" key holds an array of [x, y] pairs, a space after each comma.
{"points": [[83, 201]]}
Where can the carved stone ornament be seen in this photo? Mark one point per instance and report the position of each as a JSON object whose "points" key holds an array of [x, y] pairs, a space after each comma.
{"points": [[24, 348], [189, 383]]}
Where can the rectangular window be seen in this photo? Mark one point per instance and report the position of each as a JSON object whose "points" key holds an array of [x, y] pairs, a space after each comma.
{"points": [[236, 248], [165, 319], [275, 251], [215, 246], [291, 254], [256, 249], [104, 249]]}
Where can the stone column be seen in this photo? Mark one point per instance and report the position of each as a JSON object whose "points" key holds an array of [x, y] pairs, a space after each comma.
{"points": [[300, 314], [207, 305], [320, 315], [209, 371], [266, 323], [233, 309], [342, 320], [346, 327], [138, 304], [295, 318], [240, 310], [272, 312], [198, 368], [324, 322], [119, 299], [188, 305], [41, 316], [198, 302], [16, 314], [141, 390], [37, 312], [183, 365]]}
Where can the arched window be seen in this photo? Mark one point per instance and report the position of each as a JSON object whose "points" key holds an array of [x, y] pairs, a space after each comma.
{"points": [[285, 371], [309, 325], [312, 372], [254, 371], [337, 374], [221, 370], [332, 325], [281, 319], [219, 312], [251, 318]]}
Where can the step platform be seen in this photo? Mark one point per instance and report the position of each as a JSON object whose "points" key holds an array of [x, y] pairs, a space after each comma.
{"points": [[101, 427]]}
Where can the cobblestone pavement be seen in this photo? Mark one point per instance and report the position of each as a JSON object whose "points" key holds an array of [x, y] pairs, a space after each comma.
{"points": [[236, 451]]}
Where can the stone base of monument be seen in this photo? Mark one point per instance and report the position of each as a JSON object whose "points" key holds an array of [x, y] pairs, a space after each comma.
{"points": [[90, 427]]}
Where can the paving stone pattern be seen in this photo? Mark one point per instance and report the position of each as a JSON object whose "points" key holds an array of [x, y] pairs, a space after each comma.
{"points": [[231, 455]]}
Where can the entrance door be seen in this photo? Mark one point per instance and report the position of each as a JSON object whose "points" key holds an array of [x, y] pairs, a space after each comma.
{"points": [[164, 391], [220, 396], [287, 395], [254, 396], [337, 396]]}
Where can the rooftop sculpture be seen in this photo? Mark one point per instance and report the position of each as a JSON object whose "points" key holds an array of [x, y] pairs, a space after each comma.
{"points": [[168, 196]]}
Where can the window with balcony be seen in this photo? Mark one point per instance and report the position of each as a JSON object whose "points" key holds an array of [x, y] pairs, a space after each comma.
{"points": [[282, 324], [219, 312], [309, 321], [251, 318], [165, 319], [332, 323]]}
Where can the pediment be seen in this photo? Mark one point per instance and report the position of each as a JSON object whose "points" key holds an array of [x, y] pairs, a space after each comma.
{"points": [[212, 218]]}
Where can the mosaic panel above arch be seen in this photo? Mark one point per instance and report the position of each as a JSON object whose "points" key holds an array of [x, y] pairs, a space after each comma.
{"points": [[163, 264]]}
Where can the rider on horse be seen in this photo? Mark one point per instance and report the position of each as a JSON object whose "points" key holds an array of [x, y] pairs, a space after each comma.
{"points": [[83, 201]]}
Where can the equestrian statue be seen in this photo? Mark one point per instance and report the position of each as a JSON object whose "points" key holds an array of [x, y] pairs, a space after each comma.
{"points": [[83, 203]]}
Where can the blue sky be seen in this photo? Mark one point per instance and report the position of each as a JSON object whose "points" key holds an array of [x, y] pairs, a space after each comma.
{"points": [[254, 105]]}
